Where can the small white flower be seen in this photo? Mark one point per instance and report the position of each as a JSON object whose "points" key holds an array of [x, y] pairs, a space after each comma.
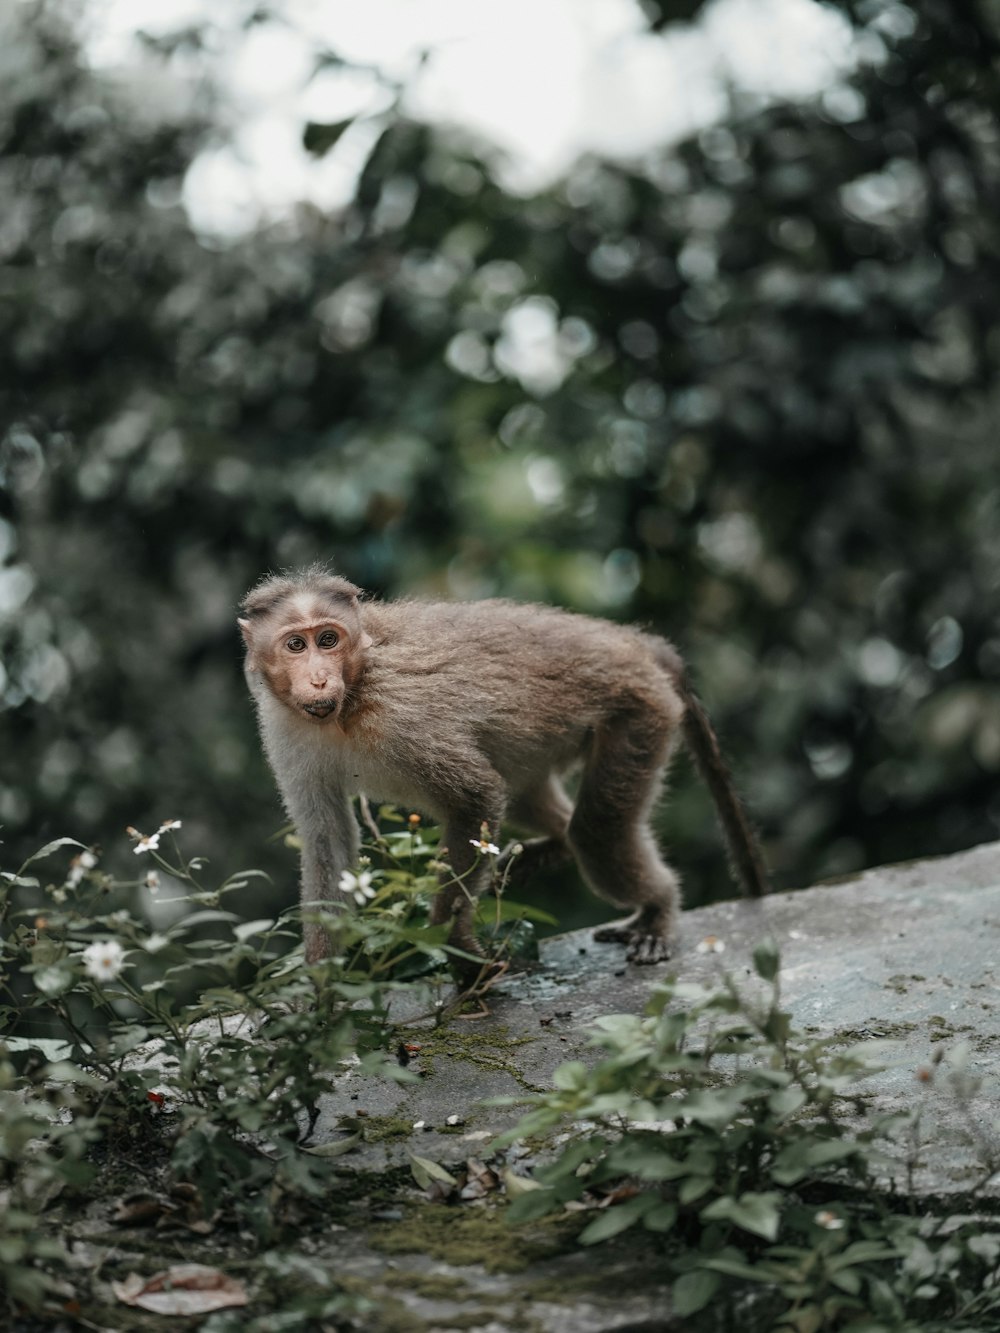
{"points": [[104, 959], [143, 843], [829, 1221], [167, 825], [155, 943], [79, 866], [484, 847], [710, 944], [151, 881], [358, 885]]}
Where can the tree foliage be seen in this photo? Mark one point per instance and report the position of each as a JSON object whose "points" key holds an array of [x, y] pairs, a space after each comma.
{"points": [[742, 390]]}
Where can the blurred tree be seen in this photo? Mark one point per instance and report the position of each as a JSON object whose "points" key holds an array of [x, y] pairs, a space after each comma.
{"points": [[742, 390]]}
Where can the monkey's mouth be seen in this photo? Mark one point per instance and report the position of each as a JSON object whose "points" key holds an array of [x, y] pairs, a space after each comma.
{"points": [[322, 708]]}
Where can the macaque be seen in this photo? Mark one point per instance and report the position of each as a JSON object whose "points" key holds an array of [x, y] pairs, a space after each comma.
{"points": [[473, 713]]}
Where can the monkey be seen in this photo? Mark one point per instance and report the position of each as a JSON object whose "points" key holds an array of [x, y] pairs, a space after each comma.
{"points": [[474, 713]]}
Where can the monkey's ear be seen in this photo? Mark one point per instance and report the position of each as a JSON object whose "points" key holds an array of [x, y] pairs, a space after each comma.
{"points": [[245, 631]]}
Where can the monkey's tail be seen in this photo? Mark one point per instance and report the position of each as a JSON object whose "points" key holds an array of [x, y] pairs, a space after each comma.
{"points": [[744, 849]]}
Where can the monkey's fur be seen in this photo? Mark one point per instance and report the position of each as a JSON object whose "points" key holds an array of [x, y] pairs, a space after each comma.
{"points": [[471, 712]]}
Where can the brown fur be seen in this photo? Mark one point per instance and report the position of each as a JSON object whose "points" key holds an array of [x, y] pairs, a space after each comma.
{"points": [[472, 712]]}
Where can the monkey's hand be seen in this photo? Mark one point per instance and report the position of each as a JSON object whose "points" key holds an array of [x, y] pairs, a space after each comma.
{"points": [[646, 936]]}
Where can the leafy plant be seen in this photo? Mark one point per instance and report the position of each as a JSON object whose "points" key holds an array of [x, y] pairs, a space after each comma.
{"points": [[749, 1148], [204, 1038]]}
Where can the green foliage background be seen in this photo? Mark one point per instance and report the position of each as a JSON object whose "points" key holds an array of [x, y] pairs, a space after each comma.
{"points": [[769, 429]]}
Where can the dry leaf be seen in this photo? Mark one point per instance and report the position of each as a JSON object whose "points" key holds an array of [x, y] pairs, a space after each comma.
{"points": [[480, 1180], [336, 1147], [185, 1289], [433, 1179]]}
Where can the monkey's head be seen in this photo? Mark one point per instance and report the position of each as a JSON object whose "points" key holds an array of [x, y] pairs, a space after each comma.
{"points": [[305, 641]]}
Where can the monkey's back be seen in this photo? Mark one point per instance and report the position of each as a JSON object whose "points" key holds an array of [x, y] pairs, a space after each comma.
{"points": [[524, 685]]}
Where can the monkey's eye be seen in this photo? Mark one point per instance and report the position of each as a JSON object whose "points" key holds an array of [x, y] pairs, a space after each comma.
{"points": [[328, 639], [296, 644]]}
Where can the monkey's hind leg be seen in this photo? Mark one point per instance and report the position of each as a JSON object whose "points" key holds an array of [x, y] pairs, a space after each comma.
{"points": [[613, 844]]}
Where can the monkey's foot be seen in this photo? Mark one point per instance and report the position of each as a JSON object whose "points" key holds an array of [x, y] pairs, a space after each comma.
{"points": [[646, 943]]}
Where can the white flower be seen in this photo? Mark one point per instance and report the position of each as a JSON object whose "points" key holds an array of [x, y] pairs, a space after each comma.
{"points": [[156, 942], [358, 885], [79, 866], [167, 825], [710, 944], [104, 959], [151, 881], [142, 843], [829, 1221], [484, 847]]}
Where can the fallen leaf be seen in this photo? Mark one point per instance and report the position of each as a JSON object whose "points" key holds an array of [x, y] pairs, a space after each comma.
{"points": [[185, 1289], [139, 1210], [426, 1173], [480, 1181], [336, 1147]]}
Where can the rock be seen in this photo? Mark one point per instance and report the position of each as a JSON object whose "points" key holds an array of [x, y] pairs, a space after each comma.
{"points": [[905, 953]]}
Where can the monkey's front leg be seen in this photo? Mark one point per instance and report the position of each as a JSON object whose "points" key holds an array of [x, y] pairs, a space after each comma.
{"points": [[470, 867], [330, 845]]}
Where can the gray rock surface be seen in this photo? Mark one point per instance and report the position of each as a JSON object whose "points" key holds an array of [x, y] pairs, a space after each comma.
{"points": [[907, 953]]}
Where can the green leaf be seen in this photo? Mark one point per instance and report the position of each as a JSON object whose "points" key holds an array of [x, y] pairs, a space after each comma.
{"points": [[66, 1071], [127, 1039], [248, 928], [51, 847], [848, 1281], [695, 1187], [532, 1205], [786, 1101], [693, 1291], [19, 881], [738, 1268], [571, 1076], [517, 1186], [200, 918], [617, 1218], [767, 960], [661, 1218], [801, 1158], [760, 1214]]}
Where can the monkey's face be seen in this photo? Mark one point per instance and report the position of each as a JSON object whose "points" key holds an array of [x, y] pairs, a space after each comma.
{"points": [[309, 663]]}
